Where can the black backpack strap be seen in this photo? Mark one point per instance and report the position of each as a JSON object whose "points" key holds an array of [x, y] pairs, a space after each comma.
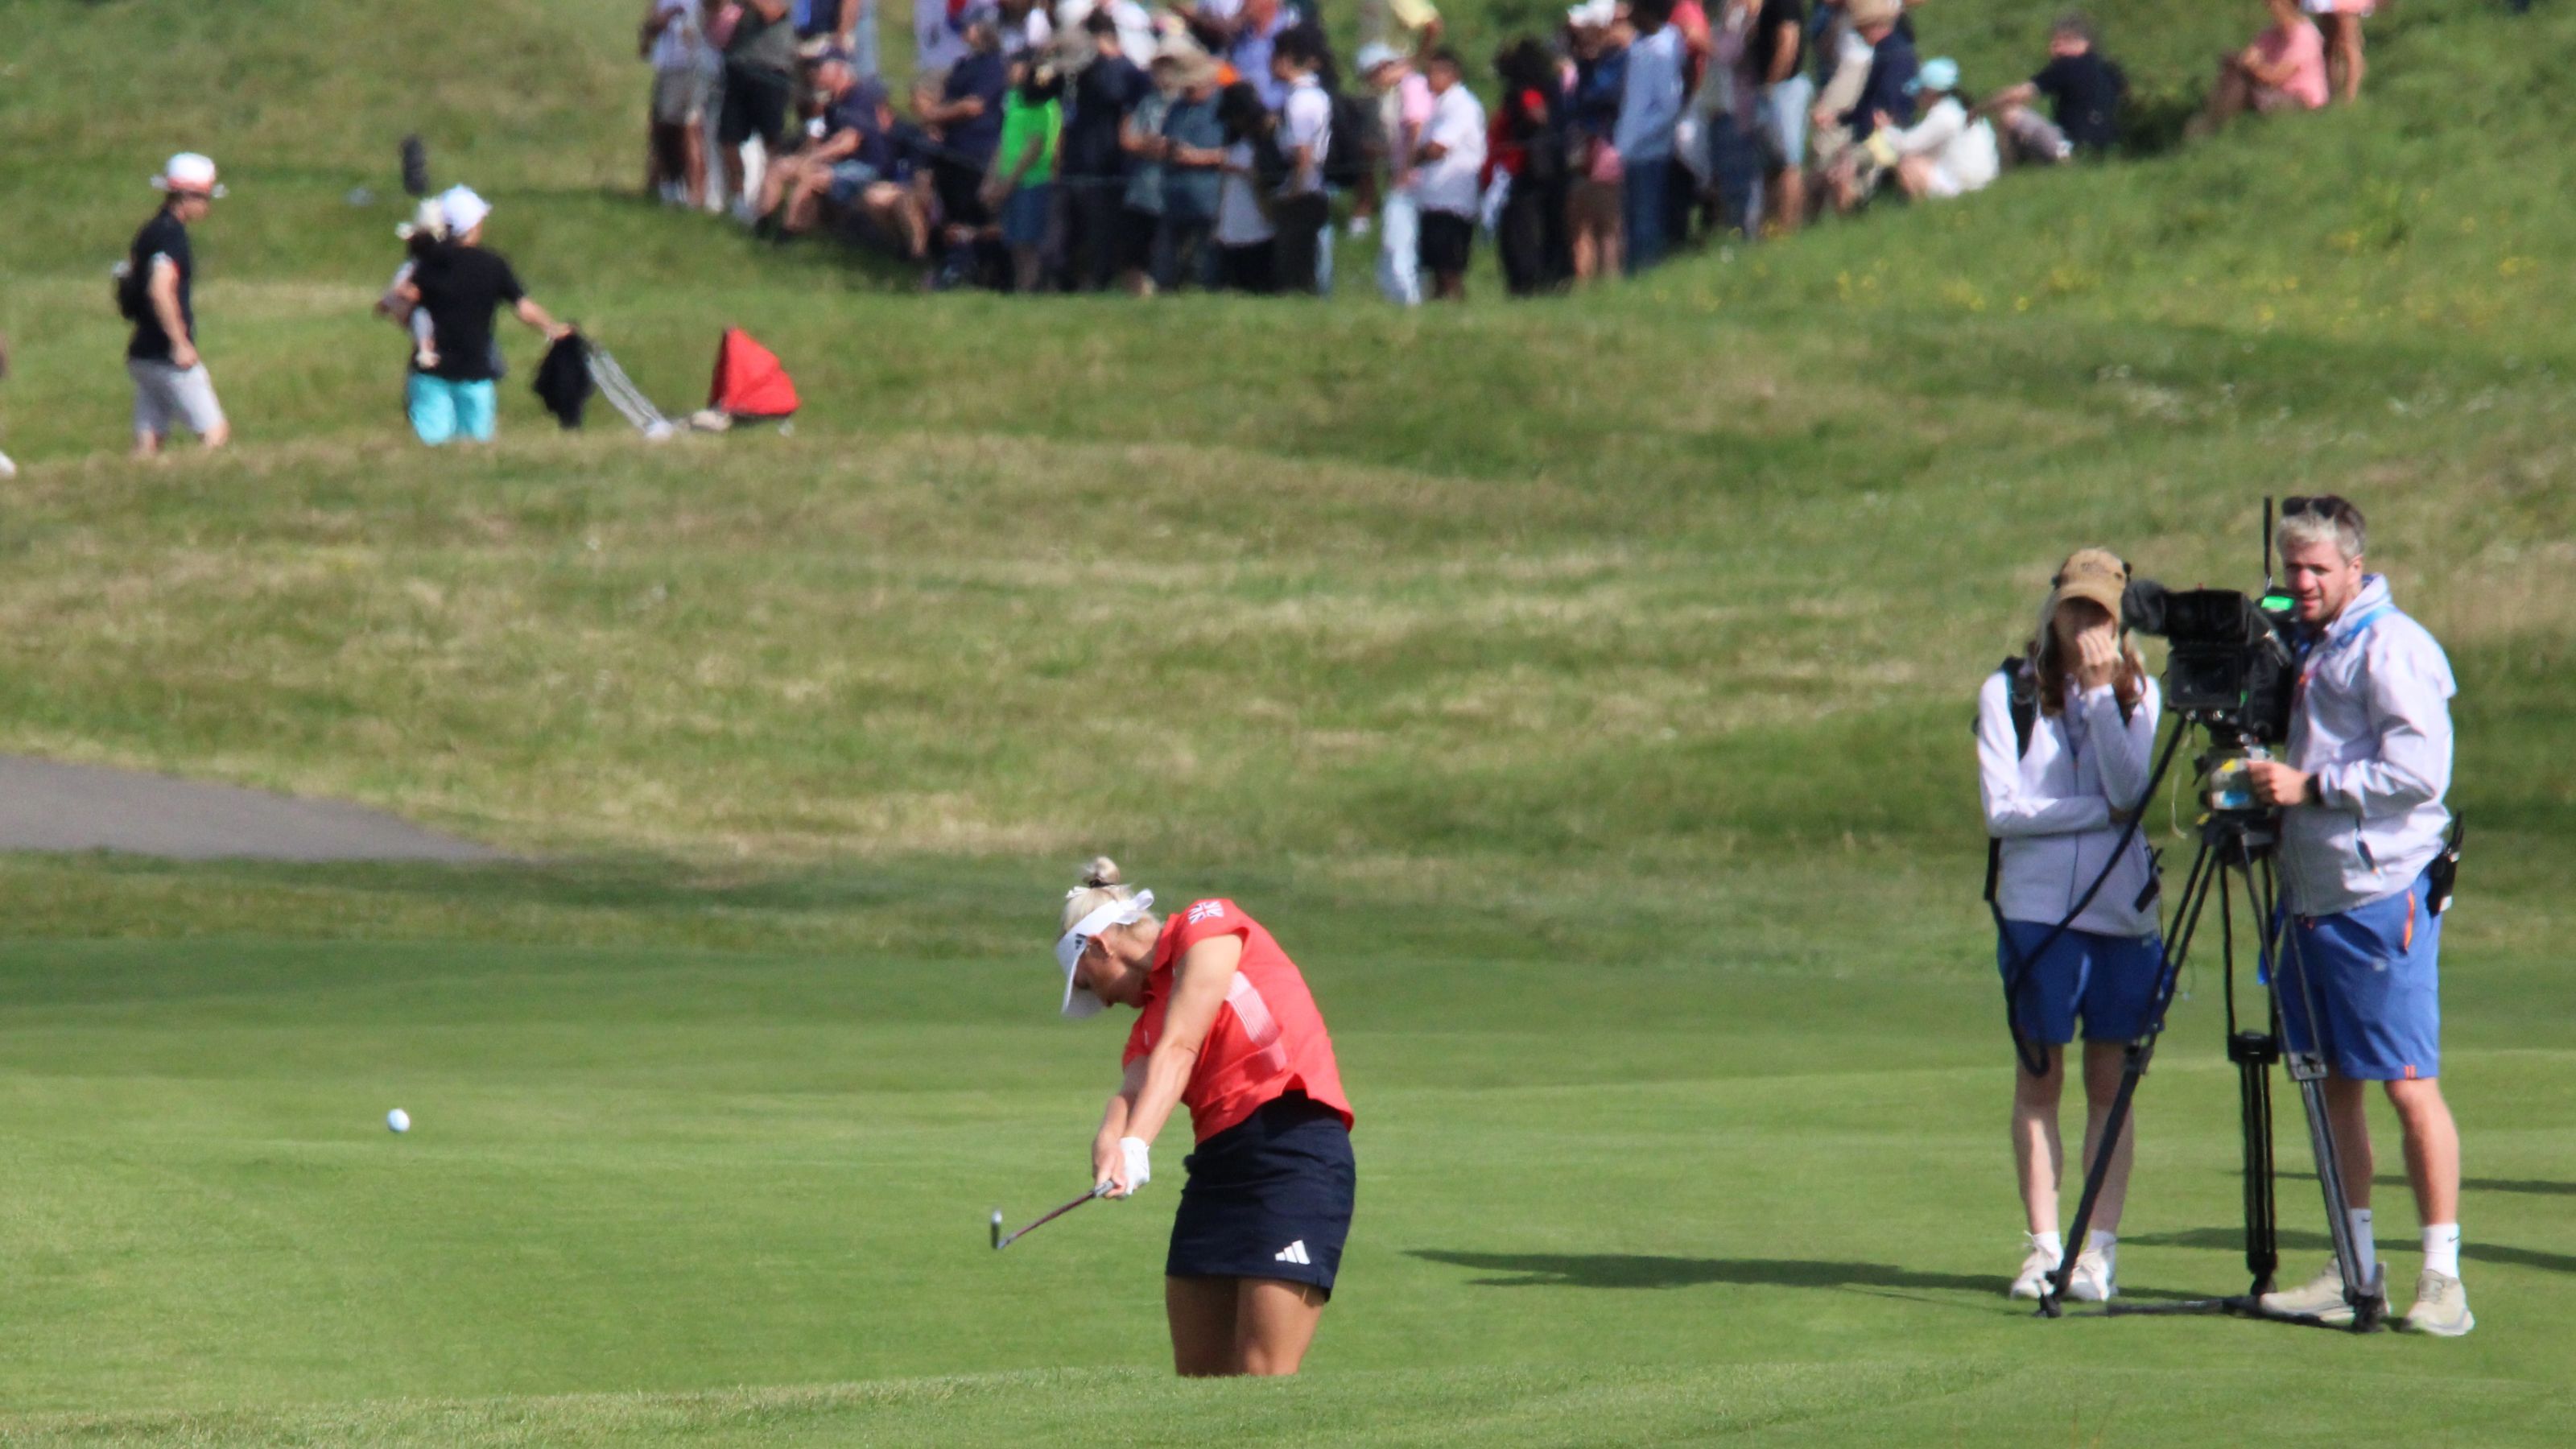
{"points": [[2025, 717]]}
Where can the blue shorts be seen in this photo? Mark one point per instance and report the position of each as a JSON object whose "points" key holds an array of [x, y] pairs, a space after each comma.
{"points": [[442, 410], [1024, 216], [2373, 974], [849, 179], [2109, 980], [1269, 1197]]}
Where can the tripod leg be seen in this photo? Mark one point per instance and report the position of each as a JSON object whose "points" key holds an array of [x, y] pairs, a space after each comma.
{"points": [[2362, 1288], [2254, 1053], [2196, 887]]}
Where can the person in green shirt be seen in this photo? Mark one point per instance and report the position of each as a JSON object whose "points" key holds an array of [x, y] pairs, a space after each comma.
{"points": [[1021, 187]]}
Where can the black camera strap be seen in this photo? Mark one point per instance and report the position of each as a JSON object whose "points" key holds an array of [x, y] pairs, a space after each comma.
{"points": [[2444, 872]]}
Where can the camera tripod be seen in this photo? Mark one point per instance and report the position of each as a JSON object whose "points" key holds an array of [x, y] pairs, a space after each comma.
{"points": [[2236, 855]]}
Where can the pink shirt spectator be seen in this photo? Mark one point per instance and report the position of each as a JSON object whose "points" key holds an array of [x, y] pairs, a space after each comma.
{"points": [[2303, 49], [1411, 112]]}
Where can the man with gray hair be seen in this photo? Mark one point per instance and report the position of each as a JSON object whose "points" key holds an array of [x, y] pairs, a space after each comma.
{"points": [[2365, 875]]}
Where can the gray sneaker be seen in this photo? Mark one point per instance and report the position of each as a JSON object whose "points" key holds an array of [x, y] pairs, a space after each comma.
{"points": [[2321, 1299], [2441, 1306]]}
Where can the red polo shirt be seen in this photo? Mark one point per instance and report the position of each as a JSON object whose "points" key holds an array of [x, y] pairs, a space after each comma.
{"points": [[1268, 1039]]}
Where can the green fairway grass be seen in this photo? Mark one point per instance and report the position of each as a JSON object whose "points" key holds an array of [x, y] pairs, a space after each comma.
{"points": [[1579, 688]]}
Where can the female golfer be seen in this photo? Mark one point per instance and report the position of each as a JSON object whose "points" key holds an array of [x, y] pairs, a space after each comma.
{"points": [[1226, 1025], [2056, 802]]}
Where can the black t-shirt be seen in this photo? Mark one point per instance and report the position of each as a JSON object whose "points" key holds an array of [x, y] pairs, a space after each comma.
{"points": [[983, 76], [462, 287], [2084, 91], [162, 236], [1103, 94], [1766, 37]]}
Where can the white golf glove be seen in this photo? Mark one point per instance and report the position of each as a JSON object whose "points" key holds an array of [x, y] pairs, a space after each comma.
{"points": [[1140, 1170]]}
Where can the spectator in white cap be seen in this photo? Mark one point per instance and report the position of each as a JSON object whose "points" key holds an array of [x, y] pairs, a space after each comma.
{"points": [[156, 292], [1404, 110], [461, 286], [1949, 151]]}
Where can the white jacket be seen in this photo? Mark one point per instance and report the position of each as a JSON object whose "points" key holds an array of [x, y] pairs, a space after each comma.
{"points": [[2373, 724], [2051, 807], [1962, 147]]}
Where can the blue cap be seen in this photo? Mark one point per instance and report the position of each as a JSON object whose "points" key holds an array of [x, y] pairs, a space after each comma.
{"points": [[1940, 73]]}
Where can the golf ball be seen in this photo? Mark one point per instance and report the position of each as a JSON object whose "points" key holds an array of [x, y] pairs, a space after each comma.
{"points": [[398, 1120]]}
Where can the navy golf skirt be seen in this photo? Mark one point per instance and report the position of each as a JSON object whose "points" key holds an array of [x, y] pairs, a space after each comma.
{"points": [[1269, 1197]]}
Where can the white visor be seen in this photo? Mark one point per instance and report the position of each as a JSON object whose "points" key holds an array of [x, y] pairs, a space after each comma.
{"points": [[1079, 1002]]}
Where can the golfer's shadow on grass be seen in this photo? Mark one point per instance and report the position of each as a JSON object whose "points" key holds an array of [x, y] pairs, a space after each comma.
{"points": [[1640, 1270]]}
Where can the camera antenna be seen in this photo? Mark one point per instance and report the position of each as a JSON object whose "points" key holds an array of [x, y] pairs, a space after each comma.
{"points": [[2267, 545]]}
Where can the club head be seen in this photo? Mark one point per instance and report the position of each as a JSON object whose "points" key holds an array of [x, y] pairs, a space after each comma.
{"points": [[997, 1228]]}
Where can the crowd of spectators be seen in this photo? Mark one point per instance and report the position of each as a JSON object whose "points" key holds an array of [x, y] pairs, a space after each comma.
{"points": [[1088, 145]]}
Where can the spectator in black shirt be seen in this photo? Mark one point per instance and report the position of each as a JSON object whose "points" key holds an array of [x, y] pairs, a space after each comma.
{"points": [[965, 115], [461, 286], [1093, 169], [156, 292], [2084, 91]]}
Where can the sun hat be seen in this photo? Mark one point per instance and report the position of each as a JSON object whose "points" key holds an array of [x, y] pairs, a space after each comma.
{"points": [[1940, 73], [1593, 15], [188, 172], [1080, 1001], [1372, 55], [2095, 574], [1875, 12], [429, 221], [463, 209]]}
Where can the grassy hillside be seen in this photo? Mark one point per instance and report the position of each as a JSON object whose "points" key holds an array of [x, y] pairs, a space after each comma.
{"points": [[1580, 687]]}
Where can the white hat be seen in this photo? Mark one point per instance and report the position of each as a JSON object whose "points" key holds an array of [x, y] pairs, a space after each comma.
{"points": [[429, 221], [465, 210], [188, 171], [1079, 1001], [1595, 15], [1372, 55]]}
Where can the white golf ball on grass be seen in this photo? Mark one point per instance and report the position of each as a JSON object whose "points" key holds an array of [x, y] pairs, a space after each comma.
{"points": [[398, 1120]]}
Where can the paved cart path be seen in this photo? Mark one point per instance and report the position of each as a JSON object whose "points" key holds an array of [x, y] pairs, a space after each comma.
{"points": [[48, 806]]}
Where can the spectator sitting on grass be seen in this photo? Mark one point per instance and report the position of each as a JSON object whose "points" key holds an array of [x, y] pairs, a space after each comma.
{"points": [[2283, 69], [1948, 152], [1886, 100], [2084, 92], [850, 159]]}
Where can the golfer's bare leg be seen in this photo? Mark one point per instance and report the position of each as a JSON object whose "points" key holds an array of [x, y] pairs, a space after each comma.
{"points": [[2347, 1113], [1275, 1320], [2432, 1148], [1202, 1311], [2037, 1152], [2104, 1064]]}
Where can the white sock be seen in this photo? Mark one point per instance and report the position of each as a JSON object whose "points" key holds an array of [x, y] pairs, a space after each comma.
{"points": [[2051, 1243], [2442, 1249], [2365, 1250], [2106, 1244]]}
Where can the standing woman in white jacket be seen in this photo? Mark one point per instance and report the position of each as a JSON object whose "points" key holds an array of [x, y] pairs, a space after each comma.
{"points": [[2057, 804]]}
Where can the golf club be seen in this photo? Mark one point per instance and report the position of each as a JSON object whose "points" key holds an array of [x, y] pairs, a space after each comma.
{"points": [[1003, 1240]]}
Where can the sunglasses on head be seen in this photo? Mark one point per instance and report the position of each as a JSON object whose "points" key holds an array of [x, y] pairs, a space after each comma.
{"points": [[2323, 505]]}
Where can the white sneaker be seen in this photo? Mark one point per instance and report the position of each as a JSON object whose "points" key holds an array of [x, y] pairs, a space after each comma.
{"points": [[2441, 1306], [2091, 1280], [7, 468], [2320, 1298], [2035, 1268]]}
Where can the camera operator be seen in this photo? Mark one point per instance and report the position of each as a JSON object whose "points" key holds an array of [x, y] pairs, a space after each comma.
{"points": [[2061, 773], [2369, 761]]}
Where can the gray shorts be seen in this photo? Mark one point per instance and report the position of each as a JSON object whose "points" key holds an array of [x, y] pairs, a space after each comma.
{"points": [[164, 395], [679, 96]]}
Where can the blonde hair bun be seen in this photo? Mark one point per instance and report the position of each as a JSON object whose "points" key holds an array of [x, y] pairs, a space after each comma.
{"points": [[1101, 874]]}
